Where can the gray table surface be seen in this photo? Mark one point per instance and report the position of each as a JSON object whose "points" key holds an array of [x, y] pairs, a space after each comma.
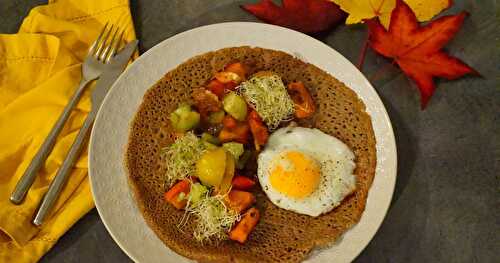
{"points": [[446, 203]]}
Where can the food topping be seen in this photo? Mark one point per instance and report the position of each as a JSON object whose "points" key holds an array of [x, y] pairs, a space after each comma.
{"points": [[258, 129], [242, 183], [295, 174], [236, 149], [211, 167], [226, 77], [239, 133], [229, 122], [181, 157], [216, 87], [198, 192], [242, 161], [239, 200], [235, 105], [214, 218], [184, 118], [207, 137], [304, 104], [216, 117], [245, 226], [225, 184], [306, 171], [239, 69], [178, 193], [267, 94], [206, 101]]}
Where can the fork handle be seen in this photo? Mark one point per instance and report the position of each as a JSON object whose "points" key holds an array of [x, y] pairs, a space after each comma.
{"points": [[24, 184], [62, 174]]}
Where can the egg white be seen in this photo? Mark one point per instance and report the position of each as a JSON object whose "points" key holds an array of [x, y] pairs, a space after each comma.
{"points": [[334, 157]]}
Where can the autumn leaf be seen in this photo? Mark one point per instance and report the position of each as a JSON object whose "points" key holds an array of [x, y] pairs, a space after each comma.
{"points": [[308, 16], [425, 10], [417, 50], [360, 10]]}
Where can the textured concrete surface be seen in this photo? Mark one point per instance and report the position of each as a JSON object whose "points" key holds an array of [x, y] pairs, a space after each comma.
{"points": [[446, 203]]}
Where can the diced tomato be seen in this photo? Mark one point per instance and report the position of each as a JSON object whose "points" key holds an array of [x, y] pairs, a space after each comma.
{"points": [[242, 183], [245, 226], [229, 122], [230, 86], [237, 68], [304, 104], [258, 128], [206, 101], [216, 87], [220, 89], [173, 195], [239, 133], [226, 76], [239, 200]]}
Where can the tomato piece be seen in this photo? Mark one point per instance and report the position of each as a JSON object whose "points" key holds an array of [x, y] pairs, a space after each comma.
{"points": [[304, 104], [239, 201], [245, 226], [226, 76], [230, 86], [216, 87], [237, 68], [173, 195], [238, 134], [242, 183], [258, 129], [229, 122]]}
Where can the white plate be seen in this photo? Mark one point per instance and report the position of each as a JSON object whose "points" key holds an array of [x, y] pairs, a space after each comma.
{"points": [[110, 189]]}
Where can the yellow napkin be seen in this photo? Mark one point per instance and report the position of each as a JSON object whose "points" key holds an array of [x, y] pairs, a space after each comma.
{"points": [[40, 67]]}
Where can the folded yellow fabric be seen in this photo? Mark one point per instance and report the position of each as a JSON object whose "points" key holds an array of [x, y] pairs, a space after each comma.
{"points": [[40, 67]]}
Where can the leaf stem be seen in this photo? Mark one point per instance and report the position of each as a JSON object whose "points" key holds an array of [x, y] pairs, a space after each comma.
{"points": [[362, 54], [379, 72]]}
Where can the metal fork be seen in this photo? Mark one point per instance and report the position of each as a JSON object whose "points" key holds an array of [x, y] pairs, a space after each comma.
{"points": [[99, 54]]}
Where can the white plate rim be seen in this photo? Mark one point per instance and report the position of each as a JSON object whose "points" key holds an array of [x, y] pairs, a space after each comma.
{"points": [[389, 149]]}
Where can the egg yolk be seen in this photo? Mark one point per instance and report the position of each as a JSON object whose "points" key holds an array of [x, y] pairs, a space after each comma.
{"points": [[295, 174]]}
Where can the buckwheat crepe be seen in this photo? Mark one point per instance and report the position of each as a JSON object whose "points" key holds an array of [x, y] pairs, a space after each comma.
{"points": [[281, 235]]}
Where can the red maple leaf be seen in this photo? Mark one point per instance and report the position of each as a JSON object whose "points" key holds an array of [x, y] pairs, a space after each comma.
{"points": [[417, 50], [308, 16]]}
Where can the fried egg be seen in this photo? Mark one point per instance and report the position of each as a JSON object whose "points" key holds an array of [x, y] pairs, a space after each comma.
{"points": [[306, 170]]}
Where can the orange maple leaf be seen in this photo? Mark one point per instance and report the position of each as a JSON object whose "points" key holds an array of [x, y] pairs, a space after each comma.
{"points": [[417, 50]]}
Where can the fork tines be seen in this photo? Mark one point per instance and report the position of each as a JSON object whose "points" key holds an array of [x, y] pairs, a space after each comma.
{"points": [[107, 43]]}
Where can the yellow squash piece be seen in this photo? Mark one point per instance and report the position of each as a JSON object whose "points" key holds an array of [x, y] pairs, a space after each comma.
{"points": [[211, 167], [359, 10], [228, 175]]}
